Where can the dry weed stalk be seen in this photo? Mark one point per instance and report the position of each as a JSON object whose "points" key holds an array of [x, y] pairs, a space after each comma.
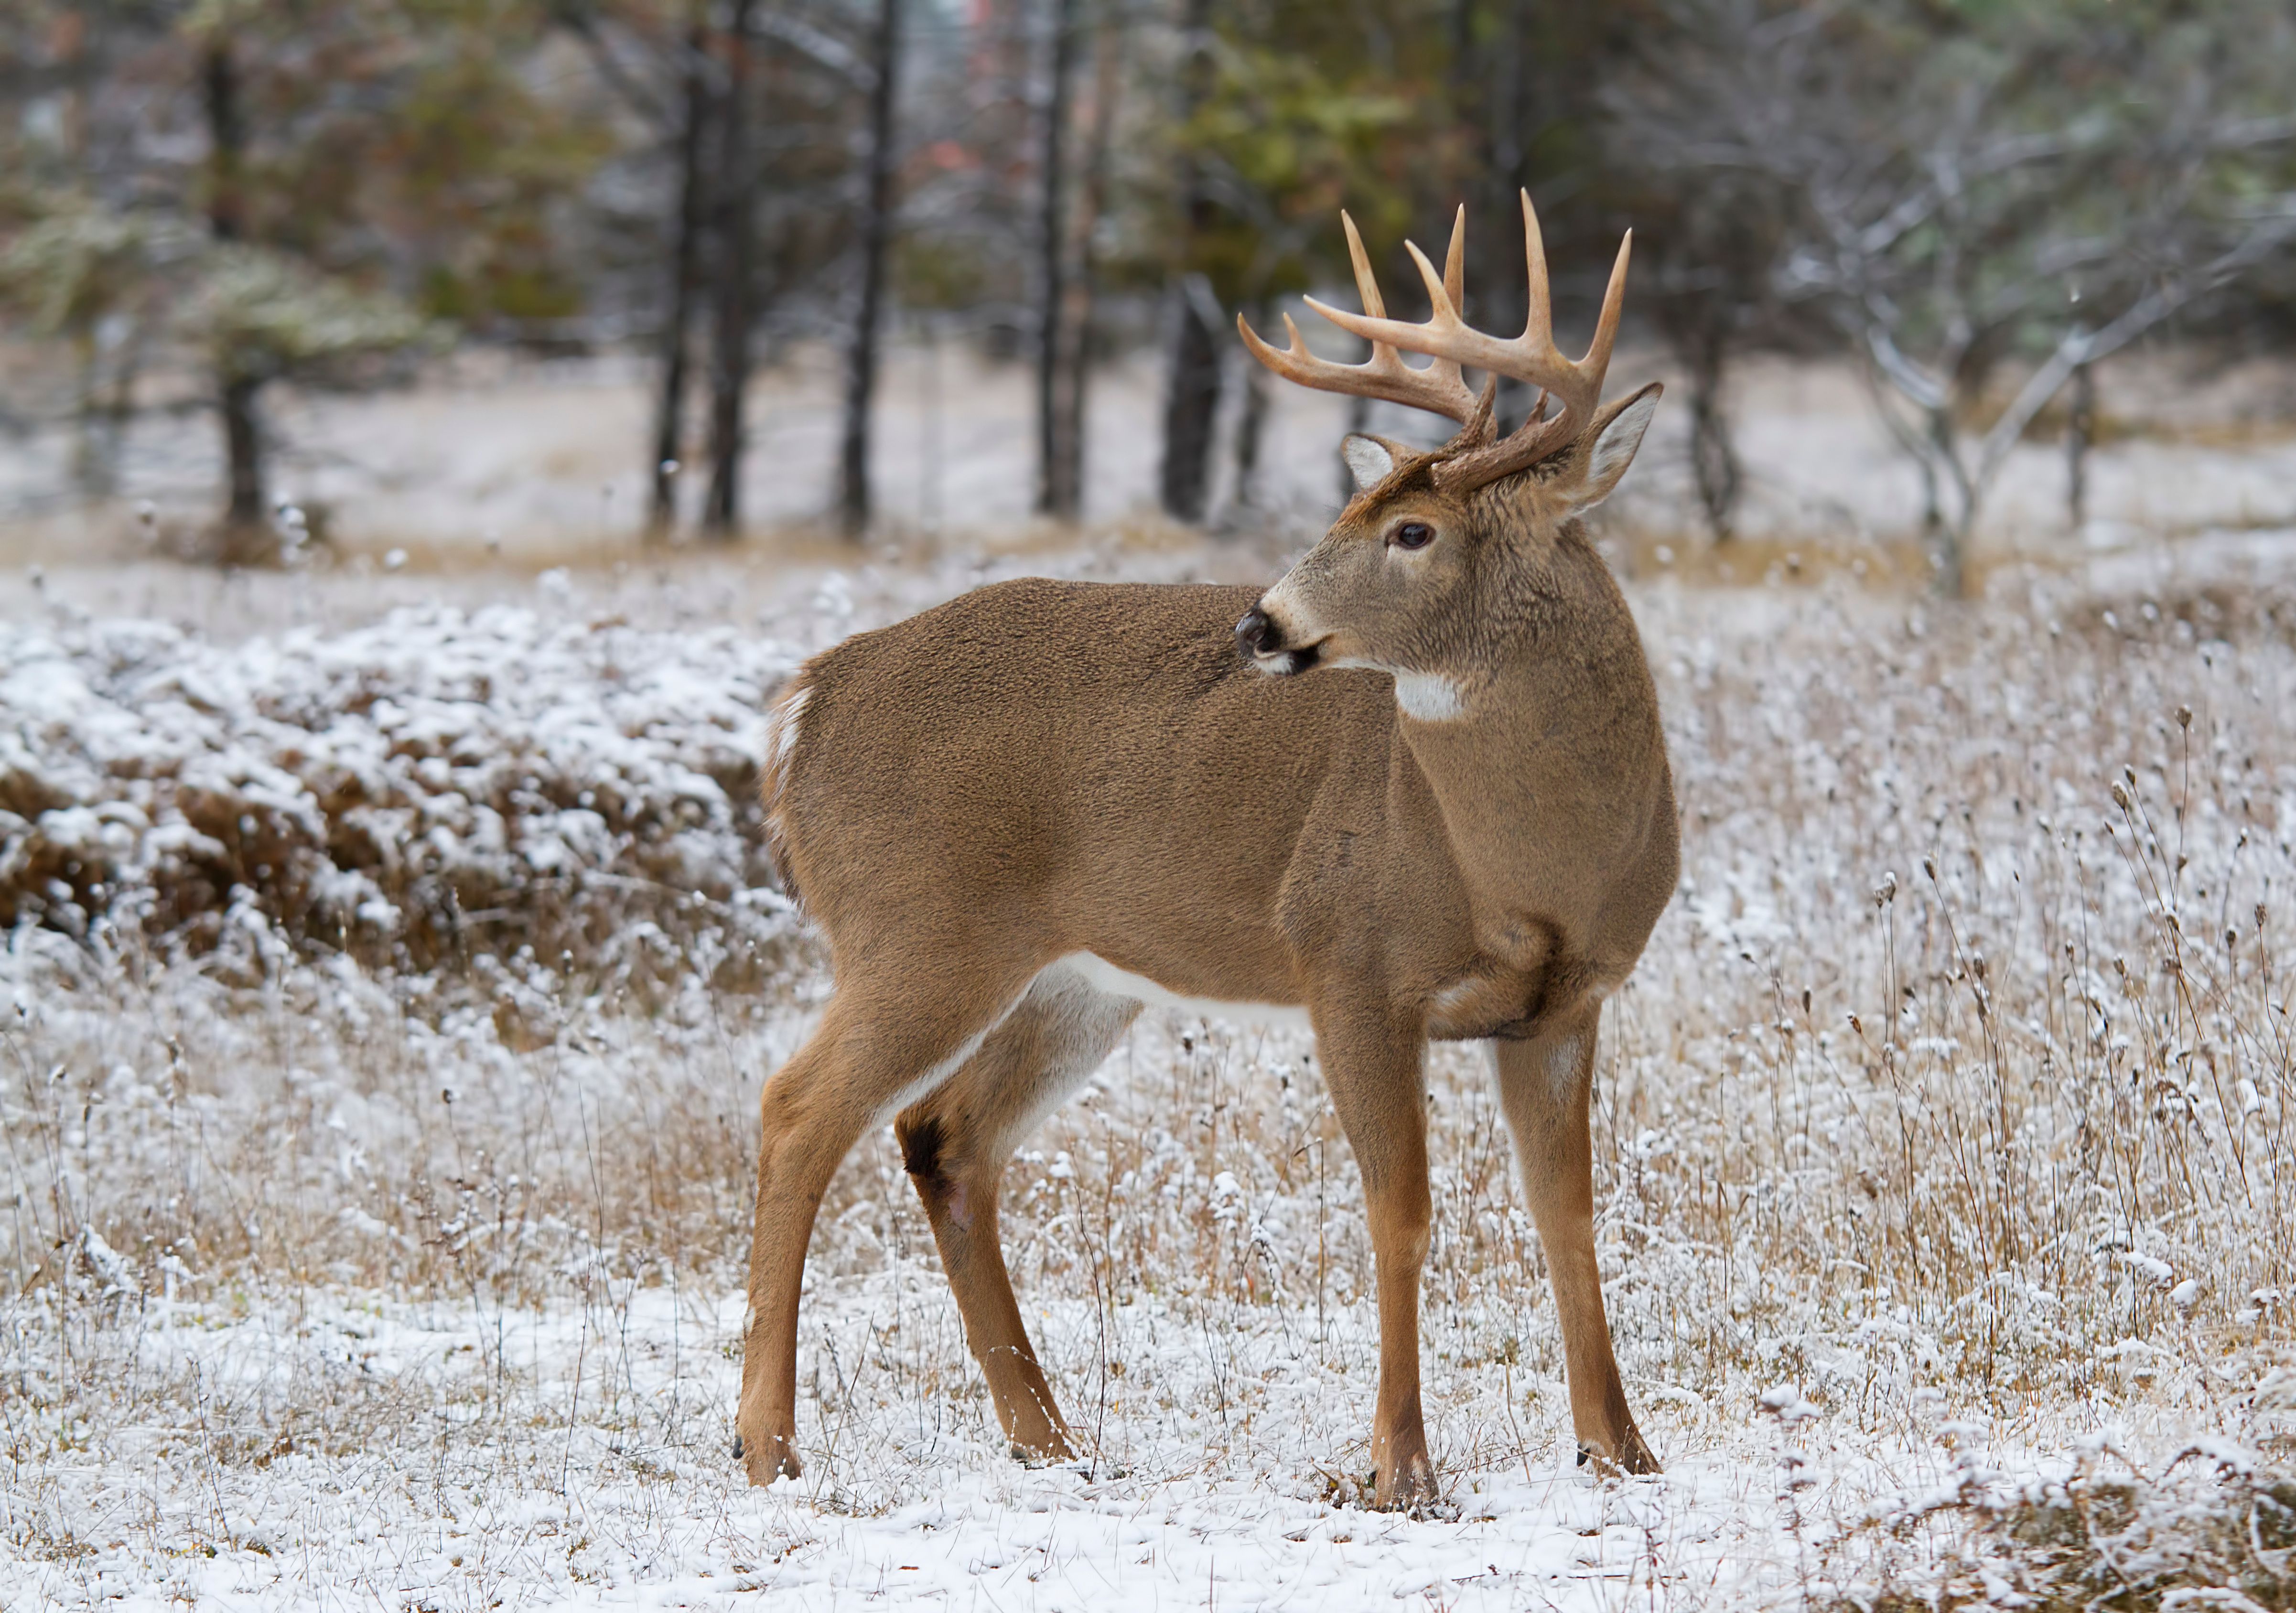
{"points": [[1958, 1081]]}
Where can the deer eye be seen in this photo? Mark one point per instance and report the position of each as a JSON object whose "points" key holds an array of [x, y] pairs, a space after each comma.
{"points": [[1412, 534]]}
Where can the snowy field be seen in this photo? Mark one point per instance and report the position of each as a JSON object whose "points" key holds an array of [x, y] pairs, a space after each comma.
{"points": [[491, 461], [386, 1000]]}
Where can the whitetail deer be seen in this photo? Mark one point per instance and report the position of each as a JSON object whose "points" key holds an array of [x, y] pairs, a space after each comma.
{"points": [[1019, 814]]}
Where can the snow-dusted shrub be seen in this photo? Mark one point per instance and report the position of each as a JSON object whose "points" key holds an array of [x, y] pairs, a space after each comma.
{"points": [[2215, 1527], [432, 787], [1953, 1098]]}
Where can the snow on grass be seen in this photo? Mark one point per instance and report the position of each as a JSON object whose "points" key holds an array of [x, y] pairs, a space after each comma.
{"points": [[433, 784], [357, 1451], [1943, 1173]]}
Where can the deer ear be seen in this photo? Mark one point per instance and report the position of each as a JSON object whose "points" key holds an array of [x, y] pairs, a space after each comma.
{"points": [[1609, 447], [1370, 460]]}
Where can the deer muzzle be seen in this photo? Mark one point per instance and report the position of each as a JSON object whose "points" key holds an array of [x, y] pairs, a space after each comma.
{"points": [[1261, 639]]}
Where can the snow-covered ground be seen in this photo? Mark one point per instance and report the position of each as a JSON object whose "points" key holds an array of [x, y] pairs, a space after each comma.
{"points": [[354, 1451], [1943, 1142]]}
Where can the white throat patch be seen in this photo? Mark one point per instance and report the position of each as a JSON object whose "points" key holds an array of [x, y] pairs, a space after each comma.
{"points": [[1428, 697]]}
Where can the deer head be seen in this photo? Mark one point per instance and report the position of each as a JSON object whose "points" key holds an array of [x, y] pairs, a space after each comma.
{"points": [[1431, 567]]}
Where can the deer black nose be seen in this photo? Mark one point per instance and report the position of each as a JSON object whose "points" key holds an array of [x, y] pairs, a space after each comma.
{"points": [[1257, 635]]}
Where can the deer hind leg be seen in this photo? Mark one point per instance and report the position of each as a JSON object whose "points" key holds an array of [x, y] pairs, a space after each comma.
{"points": [[1545, 1086], [954, 1143], [879, 1039], [1378, 1085]]}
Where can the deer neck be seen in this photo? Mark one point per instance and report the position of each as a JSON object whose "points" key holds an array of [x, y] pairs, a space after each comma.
{"points": [[1545, 760]]}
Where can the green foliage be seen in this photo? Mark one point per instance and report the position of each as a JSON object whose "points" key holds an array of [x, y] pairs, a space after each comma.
{"points": [[261, 314], [403, 140], [78, 262], [405, 144], [1308, 110], [477, 165]]}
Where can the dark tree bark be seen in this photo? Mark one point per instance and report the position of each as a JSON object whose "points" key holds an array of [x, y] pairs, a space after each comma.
{"points": [[1250, 425], [1509, 295], [1698, 331], [1192, 386], [243, 443], [243, 516], [1494, 104], [1056, 492], [876, 233], [2080, 436], [1075, 376], [686, 251], [729, 366]]}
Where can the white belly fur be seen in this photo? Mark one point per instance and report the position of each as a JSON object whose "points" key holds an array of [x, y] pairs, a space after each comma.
{"points": [[1104, 976]]}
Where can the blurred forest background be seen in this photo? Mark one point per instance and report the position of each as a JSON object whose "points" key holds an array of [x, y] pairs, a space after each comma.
{"points": [[214, 213], [433, 431]]}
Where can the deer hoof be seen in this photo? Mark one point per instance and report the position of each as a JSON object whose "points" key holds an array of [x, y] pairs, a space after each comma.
{"points": [[1409, 1486], [1037, 1452], [768, 1459], [1630, 1456]]}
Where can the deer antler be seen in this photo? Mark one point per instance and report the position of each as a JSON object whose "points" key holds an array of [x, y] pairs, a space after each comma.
{"points": [[1577, 386], [1437, 388]]}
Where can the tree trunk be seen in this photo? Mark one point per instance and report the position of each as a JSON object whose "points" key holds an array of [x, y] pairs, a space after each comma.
{"points": [[876, 232], [1193, 387], [243, 530], [2080, 436], [1947, 530], [1191, 404], [107, 406], [1251, 427], [1713, 456], [1056, 494], [729, 366], [677, 336], [1506, 287], [243, 443], [1077, 307], [91, 469]]}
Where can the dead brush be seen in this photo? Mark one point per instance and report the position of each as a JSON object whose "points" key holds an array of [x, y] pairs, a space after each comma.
{"points": [[1950, 1090], [2213, 1528], [412, 797]]}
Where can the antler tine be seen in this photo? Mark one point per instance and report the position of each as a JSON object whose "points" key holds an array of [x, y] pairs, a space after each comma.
{"points": [[1438, 388], [1606, 328], [1445, 298], [1574, 387], [1538, 314], [1442, 301], [1366, 283], [1454, 262]]}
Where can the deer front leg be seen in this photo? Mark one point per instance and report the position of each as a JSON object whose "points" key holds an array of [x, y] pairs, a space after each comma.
{"points": [[1376, 1073], [1545, 1085]]}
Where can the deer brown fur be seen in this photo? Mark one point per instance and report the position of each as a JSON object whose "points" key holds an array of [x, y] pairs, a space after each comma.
{"points": [[1459, 824]]}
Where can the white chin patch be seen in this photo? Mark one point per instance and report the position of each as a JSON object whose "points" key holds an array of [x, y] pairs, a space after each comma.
{"points": [[1428, 697]]}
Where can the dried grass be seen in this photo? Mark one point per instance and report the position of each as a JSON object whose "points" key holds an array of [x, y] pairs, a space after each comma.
{"points": [[1955, 1092]]}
